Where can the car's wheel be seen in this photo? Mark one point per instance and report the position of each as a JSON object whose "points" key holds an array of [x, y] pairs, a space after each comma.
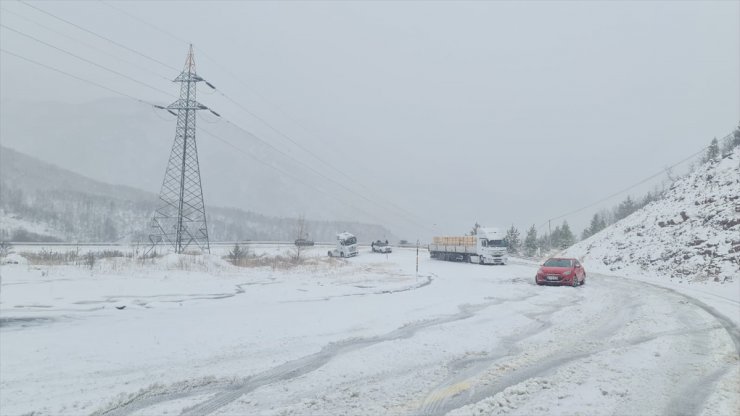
{"points": [[575, 281], [583, 282]]}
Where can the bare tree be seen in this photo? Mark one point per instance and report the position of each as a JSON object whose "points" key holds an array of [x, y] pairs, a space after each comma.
{"points": [[90, 259], [301, 232], [5, 248], [475, 229]]}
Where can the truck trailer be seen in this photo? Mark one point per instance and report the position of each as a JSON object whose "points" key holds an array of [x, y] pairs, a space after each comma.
{"points": [[488, 246]]}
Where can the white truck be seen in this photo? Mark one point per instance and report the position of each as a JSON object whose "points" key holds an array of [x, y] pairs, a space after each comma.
{"points": [[346, 246], [489, 246]]}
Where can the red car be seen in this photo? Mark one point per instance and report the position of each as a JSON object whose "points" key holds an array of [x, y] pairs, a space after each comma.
{"points": [[561, 271]]}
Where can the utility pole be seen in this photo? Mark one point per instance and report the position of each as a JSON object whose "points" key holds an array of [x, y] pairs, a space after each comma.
{"points": [[417, 257], [180, 218]]}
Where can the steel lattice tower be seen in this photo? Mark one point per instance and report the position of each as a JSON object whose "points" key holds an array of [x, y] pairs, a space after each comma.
{"points": [[180, 219]]}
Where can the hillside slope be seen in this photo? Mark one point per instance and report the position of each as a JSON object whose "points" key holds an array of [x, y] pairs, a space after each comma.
{"points": [[692, 233], [43, 202], [118, 141]]}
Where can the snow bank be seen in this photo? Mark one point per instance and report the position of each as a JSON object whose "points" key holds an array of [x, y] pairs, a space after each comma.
{"points": [[14, 258]]}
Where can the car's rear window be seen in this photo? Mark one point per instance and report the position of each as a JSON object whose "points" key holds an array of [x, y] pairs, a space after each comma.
{"points": [[559, 263]]}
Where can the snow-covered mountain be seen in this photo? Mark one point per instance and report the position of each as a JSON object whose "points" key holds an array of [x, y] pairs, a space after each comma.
{"points": [[118, 141], [692, 233], [42, 202]]}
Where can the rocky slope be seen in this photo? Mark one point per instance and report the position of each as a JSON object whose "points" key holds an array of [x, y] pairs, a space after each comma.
{"points": [[692, 233]]}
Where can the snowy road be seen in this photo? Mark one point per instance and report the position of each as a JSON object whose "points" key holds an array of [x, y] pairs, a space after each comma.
{"points": [[366, 337]]}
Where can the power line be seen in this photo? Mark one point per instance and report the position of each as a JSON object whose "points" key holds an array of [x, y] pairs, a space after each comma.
{"points": [[575, 211], [98, 35], [266, 123], [312, 169], [76, 77], [170, 34], [85, 59], [287, 173], [315, 156], [99, 50], [204, 130]]}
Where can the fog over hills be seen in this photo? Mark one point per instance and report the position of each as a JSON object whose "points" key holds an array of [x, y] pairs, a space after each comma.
{"points": [[119, 141], [41, 200]]}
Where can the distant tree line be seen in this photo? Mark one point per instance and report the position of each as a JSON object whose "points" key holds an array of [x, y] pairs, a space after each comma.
{"points": [[84, 217], [604, 218], [562, 236]]}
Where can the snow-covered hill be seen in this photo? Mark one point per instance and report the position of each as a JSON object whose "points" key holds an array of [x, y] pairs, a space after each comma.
{"points": [[692, 233], [43, 202]]}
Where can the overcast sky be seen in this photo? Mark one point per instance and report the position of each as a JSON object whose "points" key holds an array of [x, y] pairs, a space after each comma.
{"points": [[497, 112]]}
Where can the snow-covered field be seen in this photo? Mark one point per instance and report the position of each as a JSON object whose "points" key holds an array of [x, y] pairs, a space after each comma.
{"points": [[365, 335]]}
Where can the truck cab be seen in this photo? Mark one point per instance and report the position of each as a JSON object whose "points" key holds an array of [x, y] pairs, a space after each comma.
{"points": [[346, 246], [491, 247]]}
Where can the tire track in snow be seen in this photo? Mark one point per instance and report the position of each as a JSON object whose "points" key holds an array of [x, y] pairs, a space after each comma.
{"points": [[538, 369], [291, 369], [690, 400], [427, 282], [459, 391], [694, 394], [732, 330]]}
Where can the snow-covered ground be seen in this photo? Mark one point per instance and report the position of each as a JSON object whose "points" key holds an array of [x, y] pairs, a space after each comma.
{"points": [[366, 335]]}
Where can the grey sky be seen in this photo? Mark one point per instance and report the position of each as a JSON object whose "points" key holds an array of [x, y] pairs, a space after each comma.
{"points": [[500, 112]]}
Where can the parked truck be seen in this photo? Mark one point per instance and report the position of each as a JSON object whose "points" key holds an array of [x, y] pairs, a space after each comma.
{"points": [[487, 247], [346, 246]]}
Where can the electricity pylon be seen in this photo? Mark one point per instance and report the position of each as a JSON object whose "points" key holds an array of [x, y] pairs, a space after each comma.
{"points": [[180, 219]]}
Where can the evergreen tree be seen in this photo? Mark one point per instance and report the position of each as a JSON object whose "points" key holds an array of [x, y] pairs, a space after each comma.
{"points": [[512, 238], [713, 150], [625, 208], [530, 242], [597, 224], [555, 238], [566, 236]]}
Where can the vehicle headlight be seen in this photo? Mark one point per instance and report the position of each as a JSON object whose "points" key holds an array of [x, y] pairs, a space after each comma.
{"points": [[567, 272]]}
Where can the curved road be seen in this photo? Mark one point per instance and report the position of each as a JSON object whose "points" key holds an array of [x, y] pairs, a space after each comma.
{"points": [[504, 346]]}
